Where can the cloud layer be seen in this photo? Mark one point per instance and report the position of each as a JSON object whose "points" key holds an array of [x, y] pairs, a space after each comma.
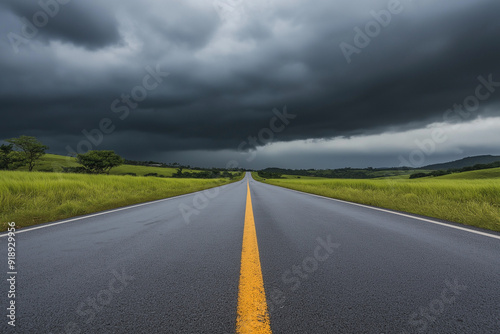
{"points": [[230, 63]]}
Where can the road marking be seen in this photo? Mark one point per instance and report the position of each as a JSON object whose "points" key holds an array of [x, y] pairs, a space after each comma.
{"points": [[253, 316], [394, 213]]}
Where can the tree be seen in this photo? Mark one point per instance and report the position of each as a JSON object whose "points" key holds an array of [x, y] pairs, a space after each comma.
{"points": [[30, 149], [178, 173], [10, 159], [99, 162], [5, 157]]}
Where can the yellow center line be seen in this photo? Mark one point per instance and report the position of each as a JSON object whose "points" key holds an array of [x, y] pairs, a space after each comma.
{"points": [[253, 316]]}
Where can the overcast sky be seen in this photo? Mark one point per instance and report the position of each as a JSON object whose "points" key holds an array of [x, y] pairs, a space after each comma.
{"points": [[285, 83]]}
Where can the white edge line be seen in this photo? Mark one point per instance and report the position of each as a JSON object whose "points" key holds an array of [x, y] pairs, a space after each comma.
{"points": [[109, 211], [393, 212]]}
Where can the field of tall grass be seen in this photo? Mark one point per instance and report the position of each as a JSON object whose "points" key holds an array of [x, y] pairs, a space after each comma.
{"points": [[472, 198], [31, 198]]}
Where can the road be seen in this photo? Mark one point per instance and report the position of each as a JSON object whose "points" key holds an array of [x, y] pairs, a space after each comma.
{"points": [[326, 266]]}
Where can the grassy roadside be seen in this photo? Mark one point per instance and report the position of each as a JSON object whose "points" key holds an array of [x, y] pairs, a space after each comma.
{"points": [[468, 200], [33, 198]]}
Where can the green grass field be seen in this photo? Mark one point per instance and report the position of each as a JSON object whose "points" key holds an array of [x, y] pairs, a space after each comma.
{"points": [[31, 198], [471, 198], [52, 162]]}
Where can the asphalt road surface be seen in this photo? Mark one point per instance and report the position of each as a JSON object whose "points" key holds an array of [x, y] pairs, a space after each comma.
{"points": [[173, 266]]}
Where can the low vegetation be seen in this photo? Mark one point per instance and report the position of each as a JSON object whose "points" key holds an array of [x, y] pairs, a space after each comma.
{"points": [[269, 175], [58, 163], [341, 173], [29, 198], [471, 198], [205, 174]]}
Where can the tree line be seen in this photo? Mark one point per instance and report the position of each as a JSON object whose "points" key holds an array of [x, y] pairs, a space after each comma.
{"points": [[27, 151]]}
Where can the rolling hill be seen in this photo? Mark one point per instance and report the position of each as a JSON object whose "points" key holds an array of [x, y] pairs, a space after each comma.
{"points": [[465, 162], [490, 173]]}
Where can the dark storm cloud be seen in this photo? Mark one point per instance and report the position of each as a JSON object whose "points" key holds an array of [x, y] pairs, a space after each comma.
{"points": [[84, 23], [226, 75]]}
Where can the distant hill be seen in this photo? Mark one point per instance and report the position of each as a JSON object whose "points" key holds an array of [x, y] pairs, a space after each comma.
{"points": [[465, 162], [491, 173]]}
